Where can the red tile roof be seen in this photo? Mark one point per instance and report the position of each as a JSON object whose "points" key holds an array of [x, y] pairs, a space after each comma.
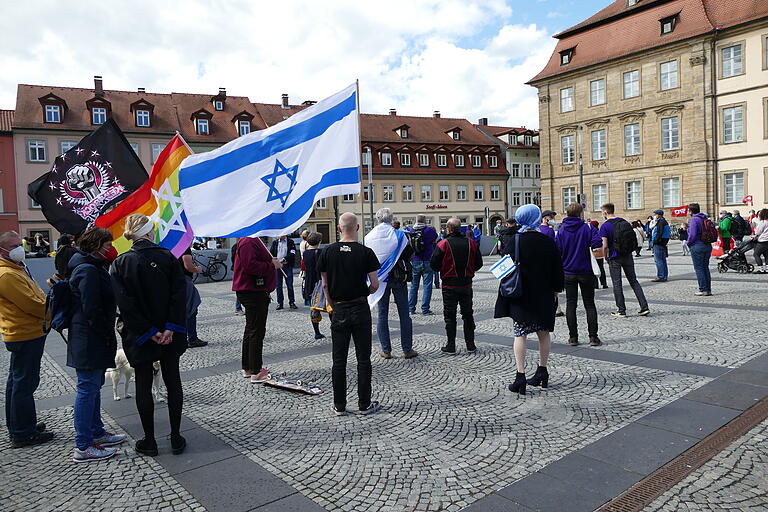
{"points": [[271, 114], [426, 130], [497, 132], [6, 120], [637, 28]]}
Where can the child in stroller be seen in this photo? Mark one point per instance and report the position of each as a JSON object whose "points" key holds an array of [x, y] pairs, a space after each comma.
{"points": [[736, 258]]}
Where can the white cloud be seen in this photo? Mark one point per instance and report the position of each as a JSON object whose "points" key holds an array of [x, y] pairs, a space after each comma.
{"points": [[406, 54]]}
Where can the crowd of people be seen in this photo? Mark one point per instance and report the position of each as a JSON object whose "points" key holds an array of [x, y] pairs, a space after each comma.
{"points": [[148, 297]]}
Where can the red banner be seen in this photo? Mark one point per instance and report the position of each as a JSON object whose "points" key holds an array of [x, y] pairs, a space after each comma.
{"points": [[680, 211], [747, 199]]}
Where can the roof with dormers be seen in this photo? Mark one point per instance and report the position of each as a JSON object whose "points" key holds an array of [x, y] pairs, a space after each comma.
{"points": [[424, 130]]}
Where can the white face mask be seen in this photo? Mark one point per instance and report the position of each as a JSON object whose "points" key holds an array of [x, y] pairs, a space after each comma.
{"points": [[18, 254], [551, 222]]}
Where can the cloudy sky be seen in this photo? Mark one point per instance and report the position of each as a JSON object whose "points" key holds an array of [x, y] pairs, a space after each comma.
{"points": [[466, 58]]}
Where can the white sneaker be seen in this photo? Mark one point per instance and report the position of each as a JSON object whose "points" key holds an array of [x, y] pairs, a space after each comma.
{"points": [[109, 439], [93, 453]]}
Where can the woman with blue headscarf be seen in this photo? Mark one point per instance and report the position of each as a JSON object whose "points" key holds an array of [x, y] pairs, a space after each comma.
{"points": [[541, 271]]}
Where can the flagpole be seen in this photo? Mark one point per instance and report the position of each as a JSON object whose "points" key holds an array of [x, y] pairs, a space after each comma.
{"points": [[359, 151]]}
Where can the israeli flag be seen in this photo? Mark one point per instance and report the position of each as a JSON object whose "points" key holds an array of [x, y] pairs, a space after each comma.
{"points": [[388, 244], [266, 183]]}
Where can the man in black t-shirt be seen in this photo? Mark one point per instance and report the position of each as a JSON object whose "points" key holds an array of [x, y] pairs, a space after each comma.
{"points": [[346, 267]]}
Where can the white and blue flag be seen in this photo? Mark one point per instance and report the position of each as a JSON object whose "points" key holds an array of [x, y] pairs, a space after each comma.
{"points": [[388, 243], [266, 183]]}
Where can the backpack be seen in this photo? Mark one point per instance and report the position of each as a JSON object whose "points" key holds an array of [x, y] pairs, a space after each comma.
{"points": [[708, 231], [624, 239], [416, 240], [59, 307]]}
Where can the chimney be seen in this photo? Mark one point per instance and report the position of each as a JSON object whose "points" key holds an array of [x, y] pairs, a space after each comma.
{"points": [[483, 121], [436, 114], [141, 89], [285, 101], [222, 92], [392, 112], [98, 88]]}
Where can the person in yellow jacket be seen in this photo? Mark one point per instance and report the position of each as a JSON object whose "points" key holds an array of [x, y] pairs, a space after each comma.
{"points": [[22, 311]]}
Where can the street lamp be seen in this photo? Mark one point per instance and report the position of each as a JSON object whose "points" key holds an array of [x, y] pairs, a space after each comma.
{"points": [[581, 167]]}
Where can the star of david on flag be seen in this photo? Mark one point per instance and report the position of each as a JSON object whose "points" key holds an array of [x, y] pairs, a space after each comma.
{"points": [[267, 182]]}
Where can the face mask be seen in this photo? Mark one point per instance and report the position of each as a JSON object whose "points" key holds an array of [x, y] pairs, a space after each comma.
{"points": [[18, 254], [109, 255], [551, 222]]}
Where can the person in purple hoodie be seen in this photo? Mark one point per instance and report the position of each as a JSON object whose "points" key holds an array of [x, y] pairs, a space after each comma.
{"points": [[700, 251], [575, 239], [547, 223]]}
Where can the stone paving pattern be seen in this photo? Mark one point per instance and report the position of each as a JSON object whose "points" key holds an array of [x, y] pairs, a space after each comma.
{"points": [[449, 434]]}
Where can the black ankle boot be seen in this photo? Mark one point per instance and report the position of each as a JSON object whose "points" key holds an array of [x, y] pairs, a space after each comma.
{"points": [[540, 378], [178, 443], [519, 385], [146, 446]]}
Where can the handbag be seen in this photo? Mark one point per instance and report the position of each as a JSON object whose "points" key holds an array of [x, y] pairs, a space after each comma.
{"points": [[511, 286]]}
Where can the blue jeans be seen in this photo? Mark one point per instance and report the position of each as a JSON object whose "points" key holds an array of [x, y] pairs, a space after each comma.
{"points": [[660, 257], [421, 270], [238, 306], [400, 294], [288, 278], [23, 379], [88, 424], [700, 254]]}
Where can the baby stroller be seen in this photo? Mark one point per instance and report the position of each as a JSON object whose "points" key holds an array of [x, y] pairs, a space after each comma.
{"points": [[736, 258]]}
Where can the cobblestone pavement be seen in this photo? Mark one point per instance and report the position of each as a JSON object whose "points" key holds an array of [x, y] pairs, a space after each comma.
{"points": [[449, 434], [735, 479]]}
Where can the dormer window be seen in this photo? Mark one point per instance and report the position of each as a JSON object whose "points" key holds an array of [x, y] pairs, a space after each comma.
{"points": [[528, 140], [142, 118], [668, 24], [404, 133], [454, 133], [52, 114], [202, 120], [218, 105], [243, 123], [243, 127], [142, 113], [201, 127], [630, 3], [100, 109], [99, 115], [566, 56]]}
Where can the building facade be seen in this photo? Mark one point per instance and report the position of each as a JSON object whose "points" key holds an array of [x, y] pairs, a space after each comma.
{"points": [[635, 122], [9, 218]]}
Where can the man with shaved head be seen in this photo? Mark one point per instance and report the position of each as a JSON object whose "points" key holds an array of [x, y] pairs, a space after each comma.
{"points": [[349, 273]]}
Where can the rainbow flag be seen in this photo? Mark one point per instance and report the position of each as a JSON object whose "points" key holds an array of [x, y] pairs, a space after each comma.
{"points": [[159, 199]]}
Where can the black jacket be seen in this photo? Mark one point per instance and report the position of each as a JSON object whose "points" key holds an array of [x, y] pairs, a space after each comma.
{"points": [[150, 289], [290, 258], [92, 343], [457, 258], [542, 274], [61, 261], [311, 273], [505, 235]]}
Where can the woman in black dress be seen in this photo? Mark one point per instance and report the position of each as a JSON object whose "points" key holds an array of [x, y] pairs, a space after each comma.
{"points": [[542, 279], [150, 289]]}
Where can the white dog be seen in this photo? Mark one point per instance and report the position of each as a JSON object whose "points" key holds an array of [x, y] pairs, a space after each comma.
{"points": [[124, 370]]}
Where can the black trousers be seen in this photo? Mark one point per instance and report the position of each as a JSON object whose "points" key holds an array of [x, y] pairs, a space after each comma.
{"points": [[761, 253], [603, 280], [145, 402], [256, 306], [585, 282], [625, 263], [461, 297], [351, 320]]}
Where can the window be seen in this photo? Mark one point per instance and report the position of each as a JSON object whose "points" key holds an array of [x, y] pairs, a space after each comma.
{"points": [[634, 195], [479, 192], [423, 159], [668, 24], [386, 159], [461, 192], [537, 170], [630, 3], [426, 192], [632, 139], [670, 192], [243, 127], [135, 147], [631, 84], [515, 170], [218, 105], [495, 192], [404, 133], [456, 135], [322, 204], [369, 192], [36, 151], [52, 114], [526, 170], [537, 199], [734, 187], [569, 197], [407, 192], [458, 160], [442, 160], [599, 150], [476, 161], [516, 199], [388, 193], [528, 140], [566, 99], [668, 75], [445, 192], [348, 198], [732, 60], [733, 124], [99, 115], [567, 144], [66, 145], [597, 92], [142, 118], [528, 197], [405, 159], [365, 158], [493, 161], [765, 51], [599, 196], [566, 56], [201, 126], [156, 150], [670, 134]]}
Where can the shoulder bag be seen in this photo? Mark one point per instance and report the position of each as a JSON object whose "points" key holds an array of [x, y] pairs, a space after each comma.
{"points": [[511, 286]]}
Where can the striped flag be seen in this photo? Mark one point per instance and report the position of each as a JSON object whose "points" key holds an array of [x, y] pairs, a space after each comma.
{"points": [[388, 243], [267, 182], [159, 199]]}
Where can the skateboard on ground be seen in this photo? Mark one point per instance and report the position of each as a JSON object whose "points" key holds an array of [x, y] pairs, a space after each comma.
{"points": [[299, 386]]}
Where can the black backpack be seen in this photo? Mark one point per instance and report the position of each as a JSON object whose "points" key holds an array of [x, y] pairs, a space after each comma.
{"points": [[624, 239], [416, 239], [738, 228], [59, 307]]}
